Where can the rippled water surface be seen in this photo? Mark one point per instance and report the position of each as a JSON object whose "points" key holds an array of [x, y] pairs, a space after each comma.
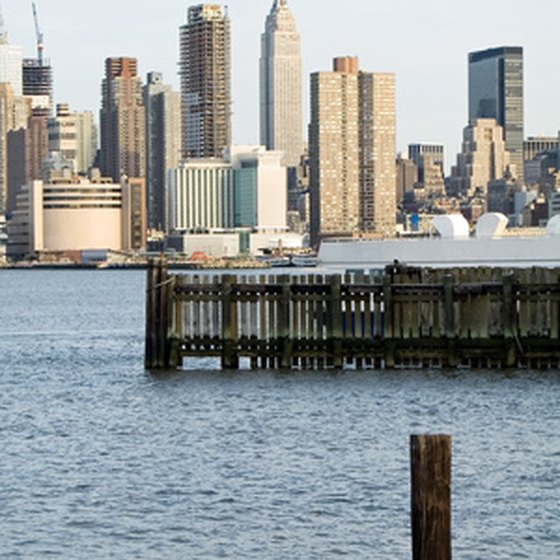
{"points": [[99, 459]]}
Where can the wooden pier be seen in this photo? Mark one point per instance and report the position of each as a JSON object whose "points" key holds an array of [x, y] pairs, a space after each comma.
{"points": [[404, 317]]}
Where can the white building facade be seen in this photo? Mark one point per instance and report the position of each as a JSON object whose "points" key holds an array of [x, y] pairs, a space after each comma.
{"points": [[201, 196]]}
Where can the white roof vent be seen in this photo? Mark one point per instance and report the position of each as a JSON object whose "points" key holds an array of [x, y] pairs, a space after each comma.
{"points": [[451, 226], [491, 225], [553, 227]]}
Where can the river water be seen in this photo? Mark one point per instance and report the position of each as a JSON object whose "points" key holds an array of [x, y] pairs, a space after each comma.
{"points": [[100, 459]]}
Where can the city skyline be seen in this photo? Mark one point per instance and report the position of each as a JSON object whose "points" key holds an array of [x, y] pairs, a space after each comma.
{"points": [[385, 37]]}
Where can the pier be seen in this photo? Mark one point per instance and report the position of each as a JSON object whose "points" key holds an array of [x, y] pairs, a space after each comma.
{"points": [[401, 317]]}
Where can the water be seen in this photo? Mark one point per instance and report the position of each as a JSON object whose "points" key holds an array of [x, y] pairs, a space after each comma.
{"points": [[101, 460]]}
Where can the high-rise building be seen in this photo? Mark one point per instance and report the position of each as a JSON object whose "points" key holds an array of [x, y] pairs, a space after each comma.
{"points": [[352, 152], [429, 160], [407, 177], [10, 63], [163, 144], [246, 188], [122, 120], [378, 179], [14, 115], [74, 137], [86, 132], [201, 195], [204, 69], [13, 111], [484, 158], [38, 84], [281, 85], [261, 198], [496, 92], [27, 148], [537, 145]]}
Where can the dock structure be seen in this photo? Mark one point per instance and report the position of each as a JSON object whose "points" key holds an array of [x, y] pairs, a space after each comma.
{"points": [[403, 317]]}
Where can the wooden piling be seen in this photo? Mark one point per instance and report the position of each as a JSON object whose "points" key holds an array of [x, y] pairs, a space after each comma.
{"points": [[335, 322], [430, 458], [160, 347], [388, 325], [450, 359], [509, 320], [230, 358]]}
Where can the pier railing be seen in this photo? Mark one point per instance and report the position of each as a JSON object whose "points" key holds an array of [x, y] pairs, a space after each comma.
{"points": [[405, 317]]}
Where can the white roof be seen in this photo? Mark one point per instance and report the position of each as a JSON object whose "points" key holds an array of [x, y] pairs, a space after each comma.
{"points": [[491, 225], [451, 226], [553, 227]]}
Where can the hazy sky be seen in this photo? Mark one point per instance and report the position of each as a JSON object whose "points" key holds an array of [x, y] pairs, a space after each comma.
{"points": [[424, 42]]}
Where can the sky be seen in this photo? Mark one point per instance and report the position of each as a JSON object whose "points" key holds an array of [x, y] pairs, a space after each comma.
{"points": [[425, 42]]}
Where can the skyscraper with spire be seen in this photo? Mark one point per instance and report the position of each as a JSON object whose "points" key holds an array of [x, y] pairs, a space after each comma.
{"points": [[204, 69], [281, 85]]}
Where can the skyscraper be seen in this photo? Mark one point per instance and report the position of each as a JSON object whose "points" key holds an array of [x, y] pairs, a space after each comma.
{"points": [[163, 144], [204, 69], [496, 92], [484, 158], [10, 62], [378, 179], [352, 151], [74, 137], [122, 120], [281, 85]]}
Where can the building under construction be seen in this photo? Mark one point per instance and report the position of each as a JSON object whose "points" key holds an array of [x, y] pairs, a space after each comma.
{"points": [[38, 75], [204, 68]]}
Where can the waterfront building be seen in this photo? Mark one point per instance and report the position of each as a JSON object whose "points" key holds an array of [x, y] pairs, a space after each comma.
{"points": [[352, 152], [77, 214], [483, 158], [281, 112], [163, 144], [122, 120], [496, 92], [204, 69]]}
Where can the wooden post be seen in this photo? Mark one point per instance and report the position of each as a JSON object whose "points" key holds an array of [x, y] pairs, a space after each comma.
{"points": [[388, 325], [157, 346], [284, 339], [335, 323], [449, 321], [230, 359], [509, 315], [430, 458]]}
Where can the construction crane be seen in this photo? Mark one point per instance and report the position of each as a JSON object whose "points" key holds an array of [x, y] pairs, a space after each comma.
{"points": [[39, 34]]}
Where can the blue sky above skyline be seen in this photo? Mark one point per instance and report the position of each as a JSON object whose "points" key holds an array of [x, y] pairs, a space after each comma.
{"points": [[425, 43]]}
